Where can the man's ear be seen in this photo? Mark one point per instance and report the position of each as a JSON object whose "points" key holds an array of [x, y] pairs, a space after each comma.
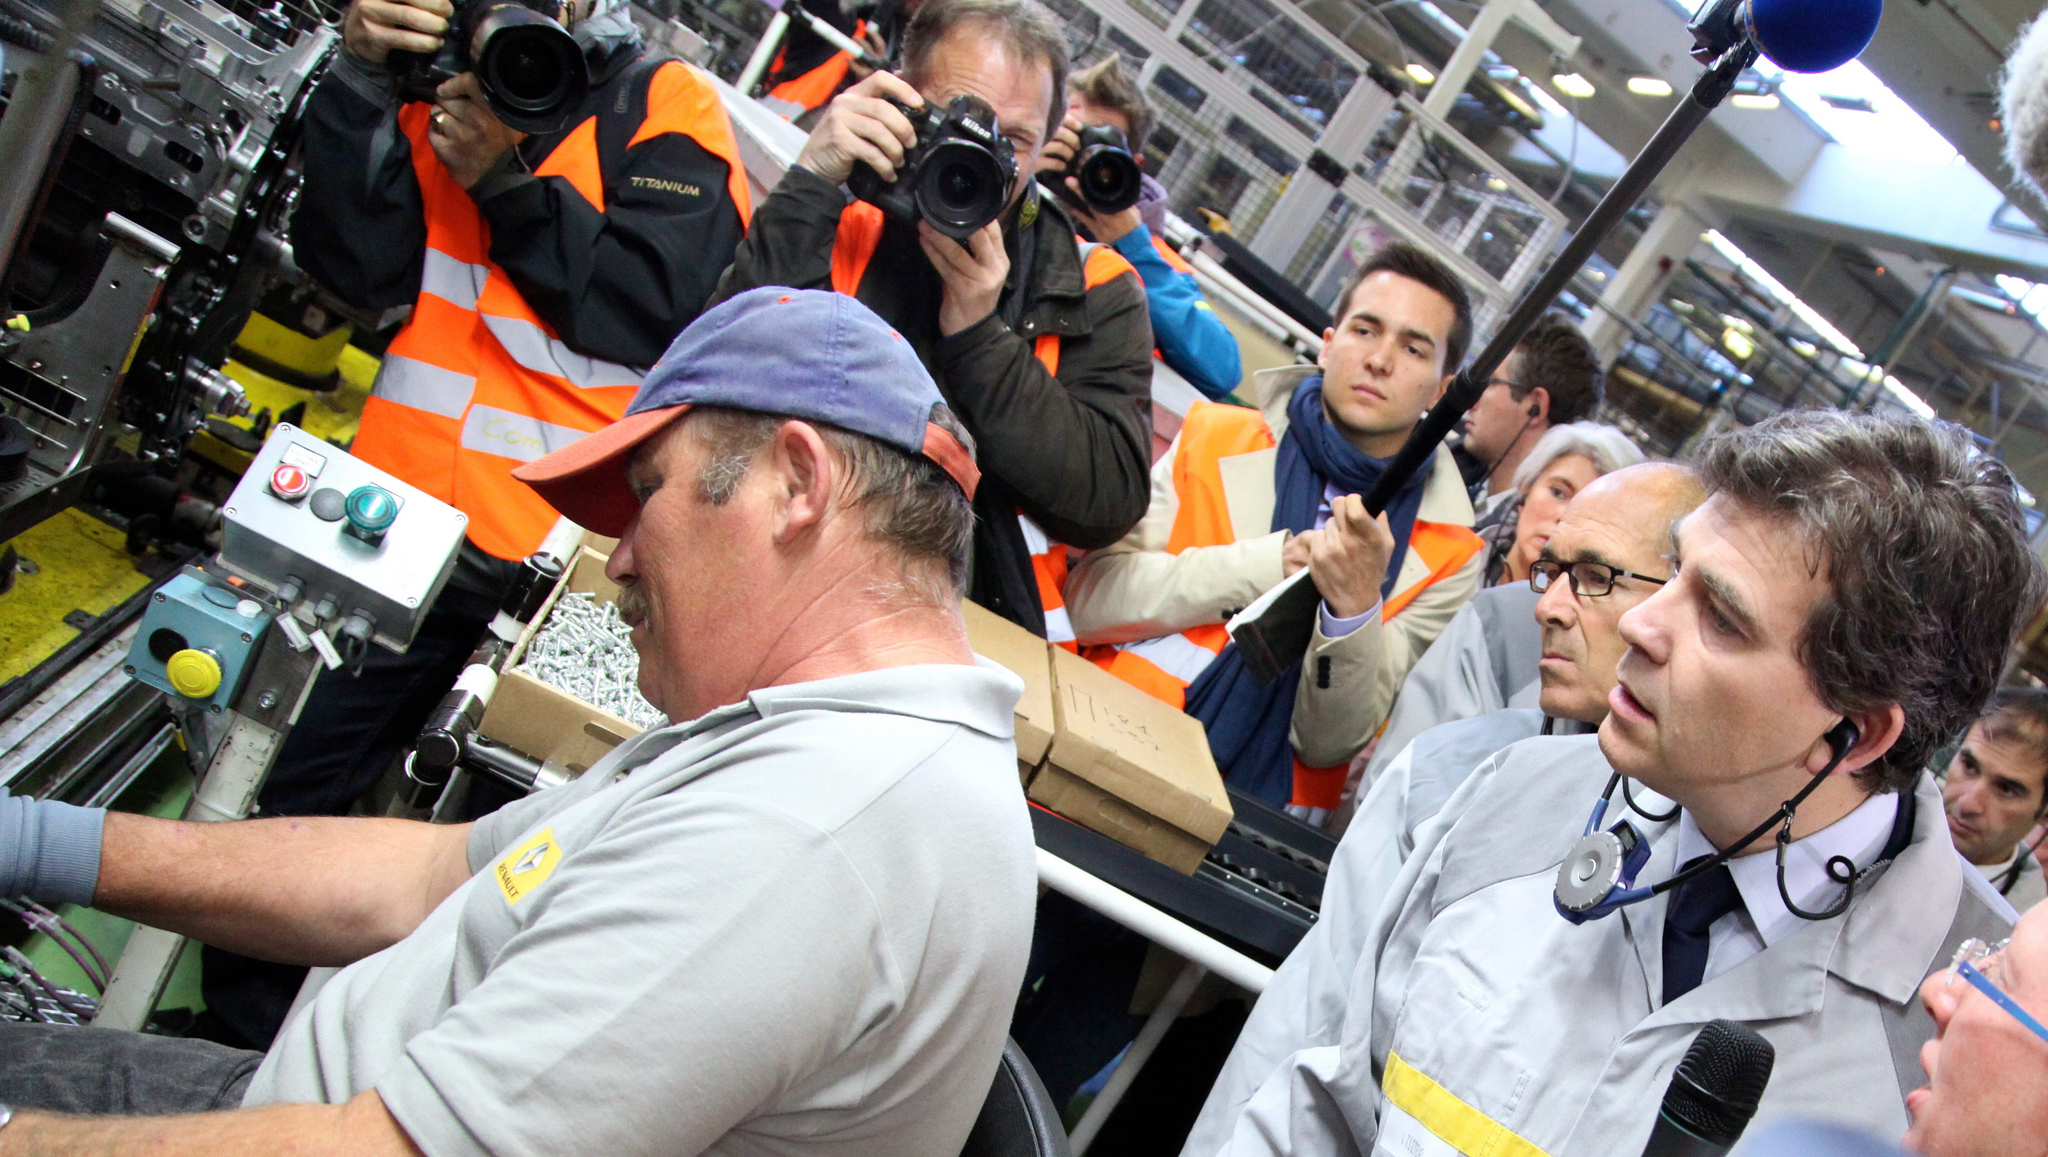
{"points": [[1876, 731], [805, 474], [1328, 333], [1538, 405], [1442, 385]]}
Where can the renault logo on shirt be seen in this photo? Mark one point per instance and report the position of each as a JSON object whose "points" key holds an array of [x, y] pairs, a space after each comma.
{"points": [[525, 867]]}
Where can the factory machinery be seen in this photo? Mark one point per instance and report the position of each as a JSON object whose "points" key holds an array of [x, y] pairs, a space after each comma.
{"points": [[146, 176]]}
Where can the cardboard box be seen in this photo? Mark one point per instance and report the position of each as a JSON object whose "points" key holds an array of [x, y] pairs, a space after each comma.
{"points": [[1131, 767], [1001, 641], [544, 721]]}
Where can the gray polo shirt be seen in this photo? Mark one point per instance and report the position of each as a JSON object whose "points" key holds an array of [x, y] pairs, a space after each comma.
{"points": [[797, 923]]}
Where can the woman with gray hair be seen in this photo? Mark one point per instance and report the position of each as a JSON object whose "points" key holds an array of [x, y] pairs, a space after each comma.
{"points": [[1563, 462]]}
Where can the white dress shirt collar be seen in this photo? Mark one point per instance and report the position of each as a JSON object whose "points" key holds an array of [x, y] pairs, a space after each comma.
{"points": [[1860, 835]]}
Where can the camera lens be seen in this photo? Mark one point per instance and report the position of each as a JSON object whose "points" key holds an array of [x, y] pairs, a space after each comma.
{"points": [[530, 68], [1109, 178], [525, 66], [961, 188]]}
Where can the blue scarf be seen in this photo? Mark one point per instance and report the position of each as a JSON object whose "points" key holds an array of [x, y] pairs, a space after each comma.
{"points": [[1247, 723]]}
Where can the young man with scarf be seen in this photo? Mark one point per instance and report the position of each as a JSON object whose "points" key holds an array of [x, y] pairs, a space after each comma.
{"points": [[1246, 498]]}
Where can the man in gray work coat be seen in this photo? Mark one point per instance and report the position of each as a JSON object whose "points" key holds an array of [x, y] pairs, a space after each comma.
{"points": [[1813, 644], [1610, 551], [793, 921]]}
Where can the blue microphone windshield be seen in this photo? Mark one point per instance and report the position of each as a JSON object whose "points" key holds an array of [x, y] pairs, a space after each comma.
{"points": [[1813, 35]]}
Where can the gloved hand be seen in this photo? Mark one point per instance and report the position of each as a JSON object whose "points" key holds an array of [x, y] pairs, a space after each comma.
{"points": [[49, 851]]}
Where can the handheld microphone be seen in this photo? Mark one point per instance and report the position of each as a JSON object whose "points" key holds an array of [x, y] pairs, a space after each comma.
{"points": [[1714, 1093]]}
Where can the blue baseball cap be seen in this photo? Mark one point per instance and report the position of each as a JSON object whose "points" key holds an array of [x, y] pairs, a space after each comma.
{"points": [[805, 353]]}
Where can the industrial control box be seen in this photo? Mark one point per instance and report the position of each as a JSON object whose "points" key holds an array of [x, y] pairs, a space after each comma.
{"points": [[198, 640], [350, 537]]}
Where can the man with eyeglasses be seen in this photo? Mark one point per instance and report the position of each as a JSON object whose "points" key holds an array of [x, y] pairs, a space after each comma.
{"points": [[1611, 550], [1752, 836], [1551, 379]]}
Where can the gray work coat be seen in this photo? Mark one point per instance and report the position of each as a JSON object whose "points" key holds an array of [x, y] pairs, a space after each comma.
{"points": [[1477, 1020]]}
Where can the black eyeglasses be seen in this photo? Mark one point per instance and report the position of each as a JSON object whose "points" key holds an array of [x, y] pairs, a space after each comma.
{"points": [[1589, 579]]}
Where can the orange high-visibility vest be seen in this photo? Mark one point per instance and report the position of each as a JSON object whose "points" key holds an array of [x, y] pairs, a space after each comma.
{"points": [[820, 84], [860, 230], [476, 383], [1164, 667]]}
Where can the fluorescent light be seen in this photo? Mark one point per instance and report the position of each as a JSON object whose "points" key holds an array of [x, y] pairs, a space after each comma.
{"points": [[1909, 399], [1754, 100], [1737, 343], [1421, 74], [1496, 184], [1573, 85], [1771, 285], [1649, 86]]}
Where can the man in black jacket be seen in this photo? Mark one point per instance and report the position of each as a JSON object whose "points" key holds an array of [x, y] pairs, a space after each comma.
{"points": [[545, 272], [1043, 351]]}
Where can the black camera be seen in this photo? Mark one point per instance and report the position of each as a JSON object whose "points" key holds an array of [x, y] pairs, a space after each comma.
{"points": [[957, 176], [530, 69], [1106, 171]]}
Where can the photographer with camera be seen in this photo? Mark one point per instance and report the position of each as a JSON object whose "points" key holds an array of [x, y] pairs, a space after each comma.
{"points": [[554, 210], [1093, 163], [1039, 343]]}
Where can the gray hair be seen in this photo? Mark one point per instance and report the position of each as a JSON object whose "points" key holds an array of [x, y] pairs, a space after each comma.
{"points": [[1026, 27], [1607, 447], [2023, 105], [911, 504], [1929, 574]]}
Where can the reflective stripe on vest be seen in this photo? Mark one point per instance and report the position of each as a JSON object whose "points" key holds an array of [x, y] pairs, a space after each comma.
{"points": [[1049, 568], [853, 247], [1164, 667], [476, 382]]}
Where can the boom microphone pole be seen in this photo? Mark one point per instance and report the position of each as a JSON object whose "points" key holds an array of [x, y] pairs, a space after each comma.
{"points": [[1728, 35]]}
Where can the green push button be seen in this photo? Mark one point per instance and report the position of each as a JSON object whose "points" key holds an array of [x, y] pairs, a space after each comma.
{"points": [[370, 510]]}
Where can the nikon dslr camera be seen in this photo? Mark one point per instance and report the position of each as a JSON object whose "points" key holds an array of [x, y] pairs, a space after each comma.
{"points": [[1105, 170], [957, 176], [529, 67]]}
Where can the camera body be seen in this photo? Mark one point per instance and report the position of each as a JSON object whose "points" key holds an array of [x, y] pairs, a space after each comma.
{"points": [[957, 176], [530, 69], [1106, 171]]}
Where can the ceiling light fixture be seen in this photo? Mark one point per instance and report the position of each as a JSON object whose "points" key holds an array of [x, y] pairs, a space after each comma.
{"points": [[1649, 86], [1420, 74], [1573, 85], [1754, 100]]}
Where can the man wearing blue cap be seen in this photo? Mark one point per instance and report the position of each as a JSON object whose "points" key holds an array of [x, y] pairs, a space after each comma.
{"points": [[795, 922]]}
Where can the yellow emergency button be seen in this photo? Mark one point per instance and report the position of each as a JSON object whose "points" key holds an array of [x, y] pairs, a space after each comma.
{"points": [[193, 674]]}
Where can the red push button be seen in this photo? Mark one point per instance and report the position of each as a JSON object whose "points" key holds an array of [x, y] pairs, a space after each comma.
{"points": [[289, 482]]}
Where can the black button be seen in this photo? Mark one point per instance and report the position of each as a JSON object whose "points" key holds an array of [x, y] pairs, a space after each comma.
{"points": [[328, 504], [165, 642]]}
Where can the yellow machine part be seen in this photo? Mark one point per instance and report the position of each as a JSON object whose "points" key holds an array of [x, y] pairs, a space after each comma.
{"points": [[315, 356], [82, 564], [332, 415]]}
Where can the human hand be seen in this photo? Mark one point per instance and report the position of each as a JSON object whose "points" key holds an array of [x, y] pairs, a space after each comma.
{"points": [[1348, 557], [1060, 150], [870, 39], [860, 126], [1294, 552], [467, 136], [972, 272], [1108, 228], [373, 28]]}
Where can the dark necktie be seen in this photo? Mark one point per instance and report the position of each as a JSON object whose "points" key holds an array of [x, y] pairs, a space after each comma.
{"points": [[1695, 905]]}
